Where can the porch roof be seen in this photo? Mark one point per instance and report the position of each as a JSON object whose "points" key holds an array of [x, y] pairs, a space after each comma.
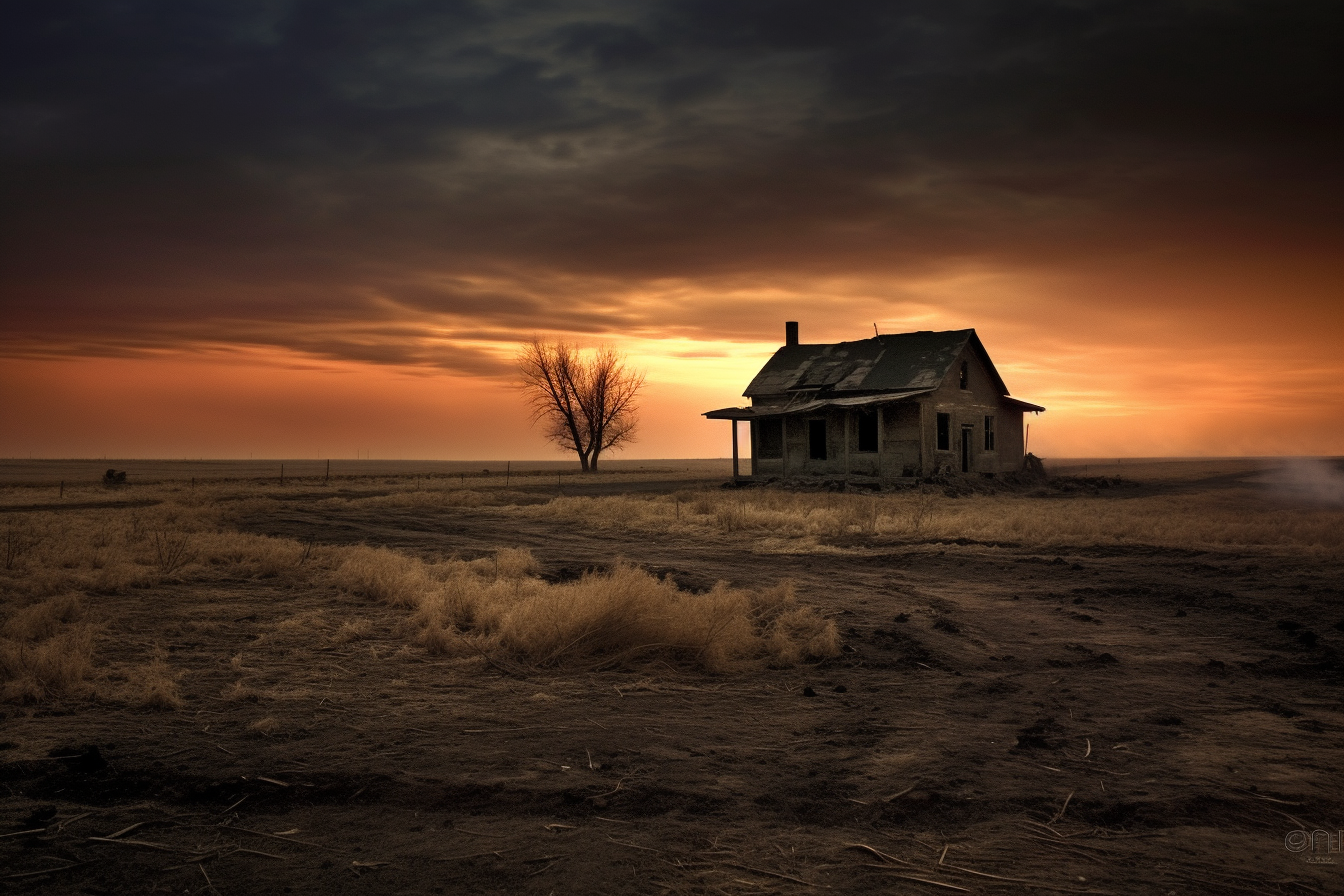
{"points": [[1021, 405], [758, 412]]}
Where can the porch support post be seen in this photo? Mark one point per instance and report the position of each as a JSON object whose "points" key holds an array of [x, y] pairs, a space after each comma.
{"points": [[848, 414], [881, 438], [734, 424]]}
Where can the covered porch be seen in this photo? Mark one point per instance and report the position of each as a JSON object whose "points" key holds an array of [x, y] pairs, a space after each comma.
{"points": [[854, 437]]}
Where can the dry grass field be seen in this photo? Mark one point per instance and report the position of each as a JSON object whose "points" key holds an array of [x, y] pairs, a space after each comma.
{"points": [[1124, 681]]}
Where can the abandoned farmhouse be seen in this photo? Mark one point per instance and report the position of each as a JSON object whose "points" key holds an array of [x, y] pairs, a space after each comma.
{"points": [[905, 404]]}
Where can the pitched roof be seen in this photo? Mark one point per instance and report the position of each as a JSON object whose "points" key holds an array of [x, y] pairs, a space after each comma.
{"points": [[898, 362]]}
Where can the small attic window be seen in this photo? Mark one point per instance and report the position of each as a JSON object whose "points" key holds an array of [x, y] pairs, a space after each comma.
{"points": [[965, 375]]}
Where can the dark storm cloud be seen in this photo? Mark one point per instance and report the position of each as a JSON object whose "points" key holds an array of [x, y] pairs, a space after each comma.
{"points": [[208, 171]]}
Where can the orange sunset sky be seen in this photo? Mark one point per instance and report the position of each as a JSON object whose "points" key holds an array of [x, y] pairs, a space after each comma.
{"points": [[287, 229]]}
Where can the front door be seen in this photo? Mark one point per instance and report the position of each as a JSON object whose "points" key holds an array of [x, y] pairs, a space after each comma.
{"points": [[966, 436]]}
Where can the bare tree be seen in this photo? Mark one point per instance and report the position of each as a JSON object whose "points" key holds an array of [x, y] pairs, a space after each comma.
{"points": [[586, 402]]}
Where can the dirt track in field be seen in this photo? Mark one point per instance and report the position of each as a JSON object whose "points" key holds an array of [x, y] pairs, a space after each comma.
{"points": [[1125, 720]]}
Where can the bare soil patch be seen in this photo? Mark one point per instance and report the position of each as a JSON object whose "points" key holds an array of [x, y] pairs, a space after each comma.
{"points": [[1109, 709]]}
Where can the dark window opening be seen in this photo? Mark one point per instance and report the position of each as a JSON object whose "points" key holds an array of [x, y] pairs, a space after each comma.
{"points": [[769, 439], [989, 433], [966, 435], [965, 375], [816, 439], [944, 432], [868, 431]]}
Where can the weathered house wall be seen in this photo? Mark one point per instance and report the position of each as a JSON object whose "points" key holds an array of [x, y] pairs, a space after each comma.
{"points": [[898, 454], [901, 448], [967, 409]]}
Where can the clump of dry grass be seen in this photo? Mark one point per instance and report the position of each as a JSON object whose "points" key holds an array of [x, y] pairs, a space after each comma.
{"points": [[46, 650], [383, 575], [627, 613], [17, 540], [496, 606], [266, 727], [352, 630], [239, 692], [154, 686], [38, 669], [44, 620]]}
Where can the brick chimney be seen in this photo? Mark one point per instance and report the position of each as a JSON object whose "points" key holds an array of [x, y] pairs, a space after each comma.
{"points": [[791, 332]]}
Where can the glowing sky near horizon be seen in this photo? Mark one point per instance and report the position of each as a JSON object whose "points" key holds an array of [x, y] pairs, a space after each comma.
{"points": [[289, 229]]}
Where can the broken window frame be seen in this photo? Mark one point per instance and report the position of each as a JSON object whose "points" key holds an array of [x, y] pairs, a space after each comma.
{"points": [[989, 432], [965, 375]]}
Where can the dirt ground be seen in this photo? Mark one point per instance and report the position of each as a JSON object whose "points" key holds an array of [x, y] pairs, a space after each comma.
{"points": [[1122, 719]]}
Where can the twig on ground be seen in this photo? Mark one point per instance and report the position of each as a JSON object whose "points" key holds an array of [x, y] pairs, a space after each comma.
{"points": [[922, 880], [894, 796], [125, 830], [796, 880], [478, 833], [60, 825], [230, 827], [611, 791], [881, 855], [1060, 813], [633, 845], [24, 874], [162, 847], [498, 853], [1261, 796], [1045, 826], [273, 781]]}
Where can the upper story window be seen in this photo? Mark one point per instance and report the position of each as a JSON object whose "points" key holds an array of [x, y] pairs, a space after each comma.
{"points": [[965, 375]]}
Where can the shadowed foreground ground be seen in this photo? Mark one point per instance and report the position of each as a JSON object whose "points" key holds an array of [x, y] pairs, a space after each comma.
{"points": [[1101, 718]]}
